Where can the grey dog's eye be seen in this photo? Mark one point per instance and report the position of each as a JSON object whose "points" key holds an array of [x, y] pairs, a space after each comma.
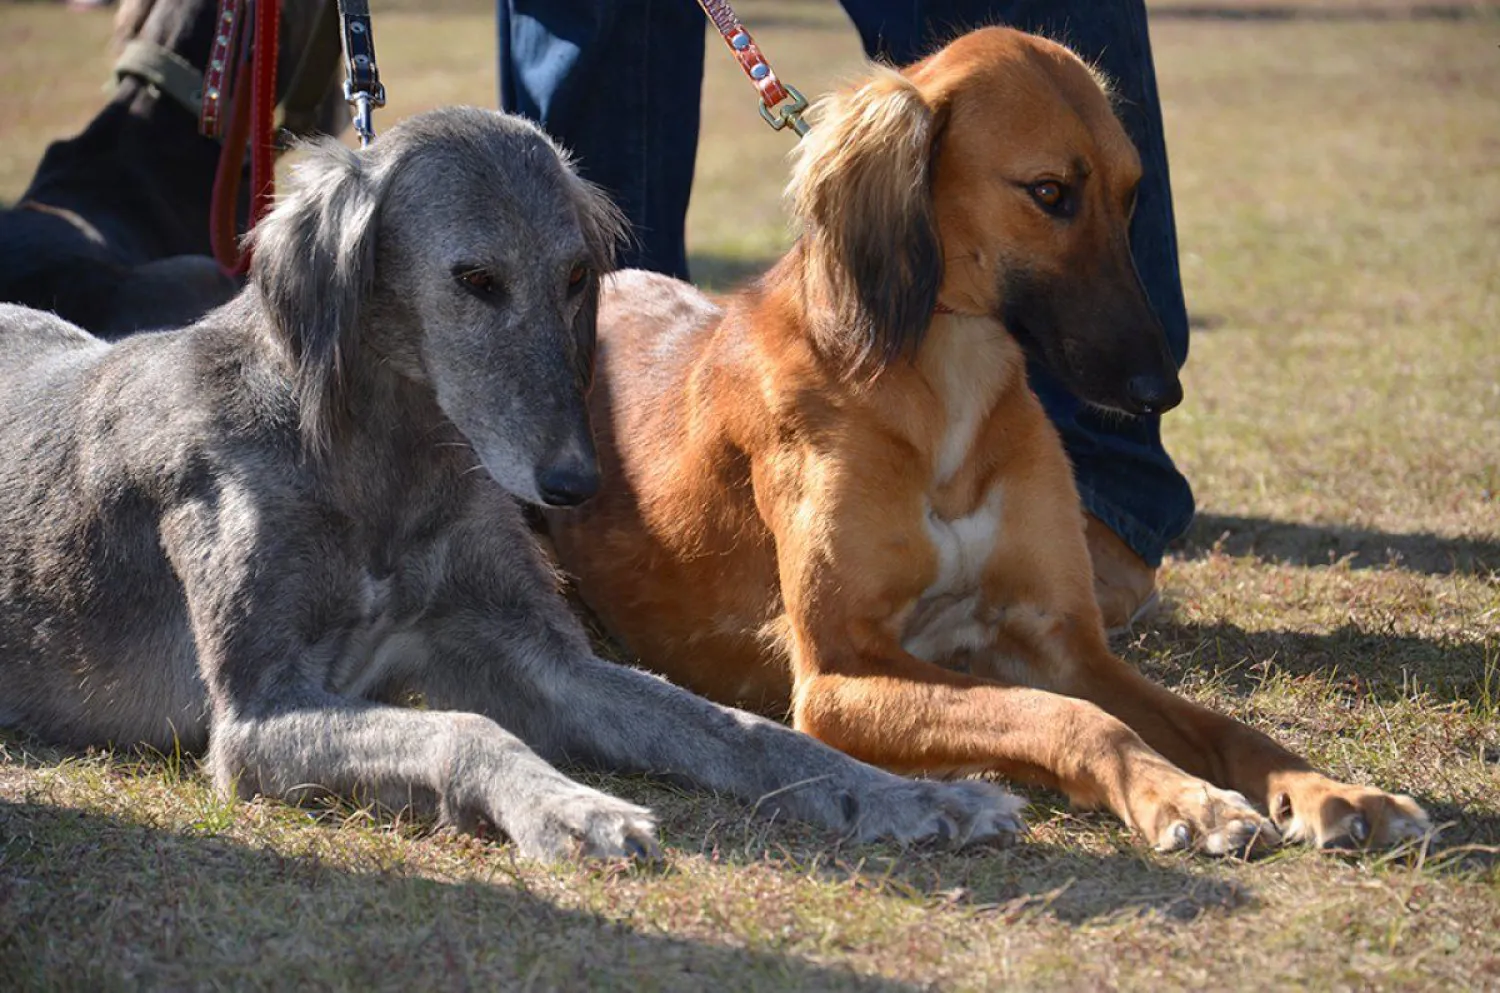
{"points": [[476, 279], [577, 277]]}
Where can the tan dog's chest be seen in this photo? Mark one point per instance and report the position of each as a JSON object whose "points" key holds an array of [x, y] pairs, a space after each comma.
{"points": [[969, 367], [952, 614]]}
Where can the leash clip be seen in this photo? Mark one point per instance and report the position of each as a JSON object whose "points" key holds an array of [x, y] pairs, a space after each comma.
{"points": [[780, 103], [364, 103], [787, 112], [363, 89]]}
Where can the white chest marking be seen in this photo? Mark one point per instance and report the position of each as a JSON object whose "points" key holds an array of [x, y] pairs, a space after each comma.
{"points": [[949, 615], [966, 362]]}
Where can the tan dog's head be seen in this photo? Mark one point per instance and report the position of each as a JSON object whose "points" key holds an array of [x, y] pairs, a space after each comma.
{"points": [[992, 176]]}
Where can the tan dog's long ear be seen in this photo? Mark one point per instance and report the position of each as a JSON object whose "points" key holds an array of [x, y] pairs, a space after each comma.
{"points": [[862, 188]]}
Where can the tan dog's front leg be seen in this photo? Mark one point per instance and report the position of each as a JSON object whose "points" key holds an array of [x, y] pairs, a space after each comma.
{"points": [[900, 712], [851, 563]]}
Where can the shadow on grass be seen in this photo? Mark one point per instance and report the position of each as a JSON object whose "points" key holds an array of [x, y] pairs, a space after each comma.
{"points": [[1060, 881], [54, 860], [1029, 878], [1109, 876], [1363, 663], [1470, 838], [90, 902], [1292, 543]]}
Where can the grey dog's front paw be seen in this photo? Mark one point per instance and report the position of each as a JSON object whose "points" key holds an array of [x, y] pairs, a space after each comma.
{"points": [[889, 807], [955, 814], [586, 824]]}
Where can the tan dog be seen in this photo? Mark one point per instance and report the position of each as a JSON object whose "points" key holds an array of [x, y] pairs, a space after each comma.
{"points": [[838, 493]]}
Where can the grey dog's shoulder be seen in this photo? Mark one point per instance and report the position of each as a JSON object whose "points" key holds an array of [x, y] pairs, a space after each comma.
{"points": [[43, 367], [30, 336]]}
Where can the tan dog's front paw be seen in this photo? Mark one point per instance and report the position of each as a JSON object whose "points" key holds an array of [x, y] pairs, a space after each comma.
{"points": [[1324, 812], [1201, 817]]}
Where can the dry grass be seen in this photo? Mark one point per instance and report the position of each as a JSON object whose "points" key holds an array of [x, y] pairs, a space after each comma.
{"points": [[1340, 219]]}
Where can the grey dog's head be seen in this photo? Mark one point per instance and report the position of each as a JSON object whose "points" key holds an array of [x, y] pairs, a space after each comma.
{"points": [[462, 253]]}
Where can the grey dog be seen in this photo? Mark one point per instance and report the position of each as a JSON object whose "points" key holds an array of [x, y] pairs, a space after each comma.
{"points": [[260, 535]]}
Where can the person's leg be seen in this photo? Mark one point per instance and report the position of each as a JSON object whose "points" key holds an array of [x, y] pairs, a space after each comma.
{"points": [[618, 83], [893, 31]]}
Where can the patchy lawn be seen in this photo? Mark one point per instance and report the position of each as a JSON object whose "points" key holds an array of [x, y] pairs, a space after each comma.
{"points": [[1339, 210]]}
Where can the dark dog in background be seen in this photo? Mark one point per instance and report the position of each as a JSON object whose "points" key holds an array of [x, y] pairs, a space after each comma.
{"points": [[112, 232], [257, 534]]}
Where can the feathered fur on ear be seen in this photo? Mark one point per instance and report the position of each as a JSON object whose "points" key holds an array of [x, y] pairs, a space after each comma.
{"points": [[862, 188], [314, 263], [604, 231]]}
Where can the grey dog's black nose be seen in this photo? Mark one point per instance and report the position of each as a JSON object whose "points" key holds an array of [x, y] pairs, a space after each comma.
{"points": [[566, 486], [1154, 394]]}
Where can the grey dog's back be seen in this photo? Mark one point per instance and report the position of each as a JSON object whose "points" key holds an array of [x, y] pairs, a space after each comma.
{"points": [[78, 531]]}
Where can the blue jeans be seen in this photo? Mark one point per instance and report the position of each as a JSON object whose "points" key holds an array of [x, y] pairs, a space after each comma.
{"points": [[618, 82]]}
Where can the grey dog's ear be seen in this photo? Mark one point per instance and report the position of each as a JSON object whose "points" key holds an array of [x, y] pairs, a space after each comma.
{"points": [[861, 187], [604, 231], [314, 263]]}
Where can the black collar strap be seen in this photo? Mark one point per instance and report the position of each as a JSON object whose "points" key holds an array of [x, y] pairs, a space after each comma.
{"points": [[162, 69], [171, 74]]}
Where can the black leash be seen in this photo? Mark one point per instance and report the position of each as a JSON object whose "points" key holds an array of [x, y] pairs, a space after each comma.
{"points": [[362, 87]]}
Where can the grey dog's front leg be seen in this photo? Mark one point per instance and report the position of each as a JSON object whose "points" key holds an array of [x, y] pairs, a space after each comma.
{"points": [[267, 640], [471, 766], [528, 665]]}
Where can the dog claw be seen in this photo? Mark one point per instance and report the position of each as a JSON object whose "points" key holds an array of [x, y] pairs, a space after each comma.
{"points": [[1176, 838]]}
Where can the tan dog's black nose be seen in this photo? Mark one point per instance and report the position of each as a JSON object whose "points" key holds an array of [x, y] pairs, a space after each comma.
{"points": [[1153, 394]]}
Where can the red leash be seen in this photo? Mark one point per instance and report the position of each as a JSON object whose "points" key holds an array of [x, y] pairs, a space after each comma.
{"points": [[251, 104], [780, 103]]}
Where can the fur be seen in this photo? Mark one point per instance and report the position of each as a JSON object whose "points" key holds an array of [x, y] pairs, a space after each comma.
{"points": [[896, 559], [258, 535]]}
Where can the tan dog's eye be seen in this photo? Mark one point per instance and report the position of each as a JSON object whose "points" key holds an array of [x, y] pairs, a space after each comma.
{"points": [[1048, 194]]}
